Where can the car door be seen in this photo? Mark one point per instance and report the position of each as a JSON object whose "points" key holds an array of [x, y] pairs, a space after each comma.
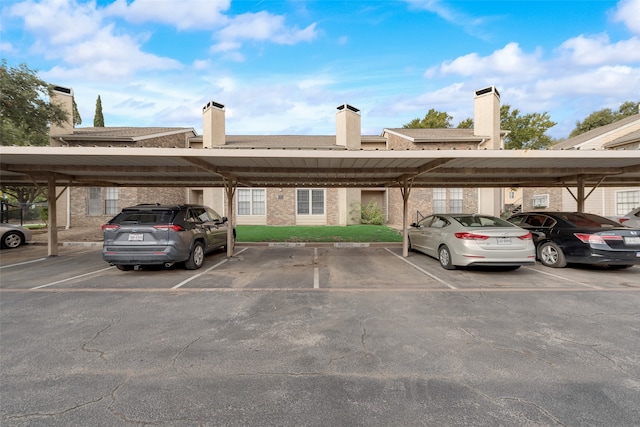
{"points": [[217, 228], [199, 222], [434, 234], [418, 236]]}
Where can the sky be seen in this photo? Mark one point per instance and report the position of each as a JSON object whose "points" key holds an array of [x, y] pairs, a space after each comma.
{"points": [[281, 67]]}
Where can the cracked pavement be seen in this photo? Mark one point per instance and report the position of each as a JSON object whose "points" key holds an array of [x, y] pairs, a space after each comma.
{"points": [[320, 358]]}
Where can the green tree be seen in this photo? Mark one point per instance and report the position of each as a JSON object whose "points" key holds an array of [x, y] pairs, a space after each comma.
{"points": [[525, 131], [432, 120], [77, 120], [604, 117], [98, 119], [25, 109], [25, 115], [466, 124]]}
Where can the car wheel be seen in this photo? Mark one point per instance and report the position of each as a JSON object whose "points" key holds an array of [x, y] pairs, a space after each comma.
{"points": [[444, 256], [196, 258], [12, 240], [551, 255], [124, 267]]}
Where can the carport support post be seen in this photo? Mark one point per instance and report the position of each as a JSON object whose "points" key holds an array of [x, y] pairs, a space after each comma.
{"points": [[52, 229], [406, 191], [581, 197], [230, 188]]}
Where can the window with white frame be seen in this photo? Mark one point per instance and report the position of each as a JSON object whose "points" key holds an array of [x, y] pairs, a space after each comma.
{"points": [[455, 200], [251, 201], [94, 201], [111, 201], [540, 201], [626, 201], [439, 200], [310, 201]]}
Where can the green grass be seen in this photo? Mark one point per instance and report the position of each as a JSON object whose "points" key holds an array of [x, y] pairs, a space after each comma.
{"points": [[317, 234]]}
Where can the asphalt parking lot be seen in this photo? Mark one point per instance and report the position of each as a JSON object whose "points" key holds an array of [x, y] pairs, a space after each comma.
{"points": [[314, 335]]}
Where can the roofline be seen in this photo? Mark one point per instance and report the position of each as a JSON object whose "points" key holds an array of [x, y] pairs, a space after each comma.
{"points": [[105, 138]]}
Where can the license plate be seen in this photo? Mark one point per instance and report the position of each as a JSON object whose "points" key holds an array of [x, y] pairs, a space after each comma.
{"points": [[632, 240], [136, 237], [504, 240]]}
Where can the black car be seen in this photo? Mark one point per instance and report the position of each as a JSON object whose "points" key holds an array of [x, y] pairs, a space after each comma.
{"points": [[152, 234], [581, 238]]}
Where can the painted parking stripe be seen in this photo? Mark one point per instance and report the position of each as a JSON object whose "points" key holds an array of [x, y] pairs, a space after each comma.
{"points": [[22, 263], [420, 269], [316, 270], [184, 282], [563, 278], [72, 278]]}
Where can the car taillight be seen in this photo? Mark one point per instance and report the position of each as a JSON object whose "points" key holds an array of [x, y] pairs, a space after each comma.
{"points": [[110, 227], [527, 236], [622, 220], [173, 227], [465, 235], [595, 238]]}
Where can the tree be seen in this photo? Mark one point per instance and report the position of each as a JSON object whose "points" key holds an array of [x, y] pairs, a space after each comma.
{"points": [[77, 120], [604, 117], [525, 132], [98, 119], [25, 114], [432, 120], [466, 124], [25, 110]]}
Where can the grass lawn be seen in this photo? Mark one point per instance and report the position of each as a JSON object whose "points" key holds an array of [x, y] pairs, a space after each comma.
{"points": [[324, 233]]}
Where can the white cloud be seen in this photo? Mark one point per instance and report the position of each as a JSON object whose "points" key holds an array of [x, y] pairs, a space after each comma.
{"points": [[628, 12], [261, 26], [508, 61], [182, 14], [598, 49]]}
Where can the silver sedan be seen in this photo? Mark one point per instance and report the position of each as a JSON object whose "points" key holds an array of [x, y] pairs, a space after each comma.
{"points": [[460, 240], [12, 236]]}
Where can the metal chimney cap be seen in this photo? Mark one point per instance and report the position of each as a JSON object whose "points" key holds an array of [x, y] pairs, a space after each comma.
{"points": [[348, 107]]}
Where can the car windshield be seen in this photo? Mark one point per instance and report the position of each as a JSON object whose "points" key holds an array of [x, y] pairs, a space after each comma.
{"points": [[481, 221], [589, 220]]}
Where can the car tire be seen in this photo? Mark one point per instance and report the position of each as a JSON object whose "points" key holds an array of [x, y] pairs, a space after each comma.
{"points": [[551, 255], [196, 257], [444, 256], [12, 240], [124, 267]]}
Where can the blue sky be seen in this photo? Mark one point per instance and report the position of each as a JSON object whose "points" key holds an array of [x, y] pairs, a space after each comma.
{"points": [[282, 67]]}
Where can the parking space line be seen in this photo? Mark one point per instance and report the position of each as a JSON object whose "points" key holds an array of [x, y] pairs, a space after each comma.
{"points": [[22, 263], [564, 278], [316, 270], [72, 278], [420, 269], [184, 282]]}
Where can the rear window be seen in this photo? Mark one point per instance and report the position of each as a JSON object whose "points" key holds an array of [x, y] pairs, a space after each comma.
{"points": [[482, 221], [144, 218], [589, 221]]}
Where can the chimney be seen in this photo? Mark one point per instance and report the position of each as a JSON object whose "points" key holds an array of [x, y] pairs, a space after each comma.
{"points": [[213, 132], [486, 117], [62, 97], [348, 129]]}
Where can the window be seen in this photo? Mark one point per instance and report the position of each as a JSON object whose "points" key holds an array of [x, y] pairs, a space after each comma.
{"points": [[111, 201], [455, 205], [455, 200], [251, 201], [626, 201], [439, 200], [540, 201], [94, 203], [310, 202]]}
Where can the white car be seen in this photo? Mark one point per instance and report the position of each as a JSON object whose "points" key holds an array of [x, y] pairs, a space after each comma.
{"points": [[461, 240], [13, 236], [632, 219]]}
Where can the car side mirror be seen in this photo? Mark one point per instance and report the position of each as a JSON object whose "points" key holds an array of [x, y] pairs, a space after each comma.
{"points": [[414, 224]]}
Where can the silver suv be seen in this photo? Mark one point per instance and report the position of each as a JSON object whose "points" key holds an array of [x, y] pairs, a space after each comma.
{"points": [[153, 234]]}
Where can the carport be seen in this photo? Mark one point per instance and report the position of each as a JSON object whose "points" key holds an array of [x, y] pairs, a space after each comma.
{"points": [[232, 168]]}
